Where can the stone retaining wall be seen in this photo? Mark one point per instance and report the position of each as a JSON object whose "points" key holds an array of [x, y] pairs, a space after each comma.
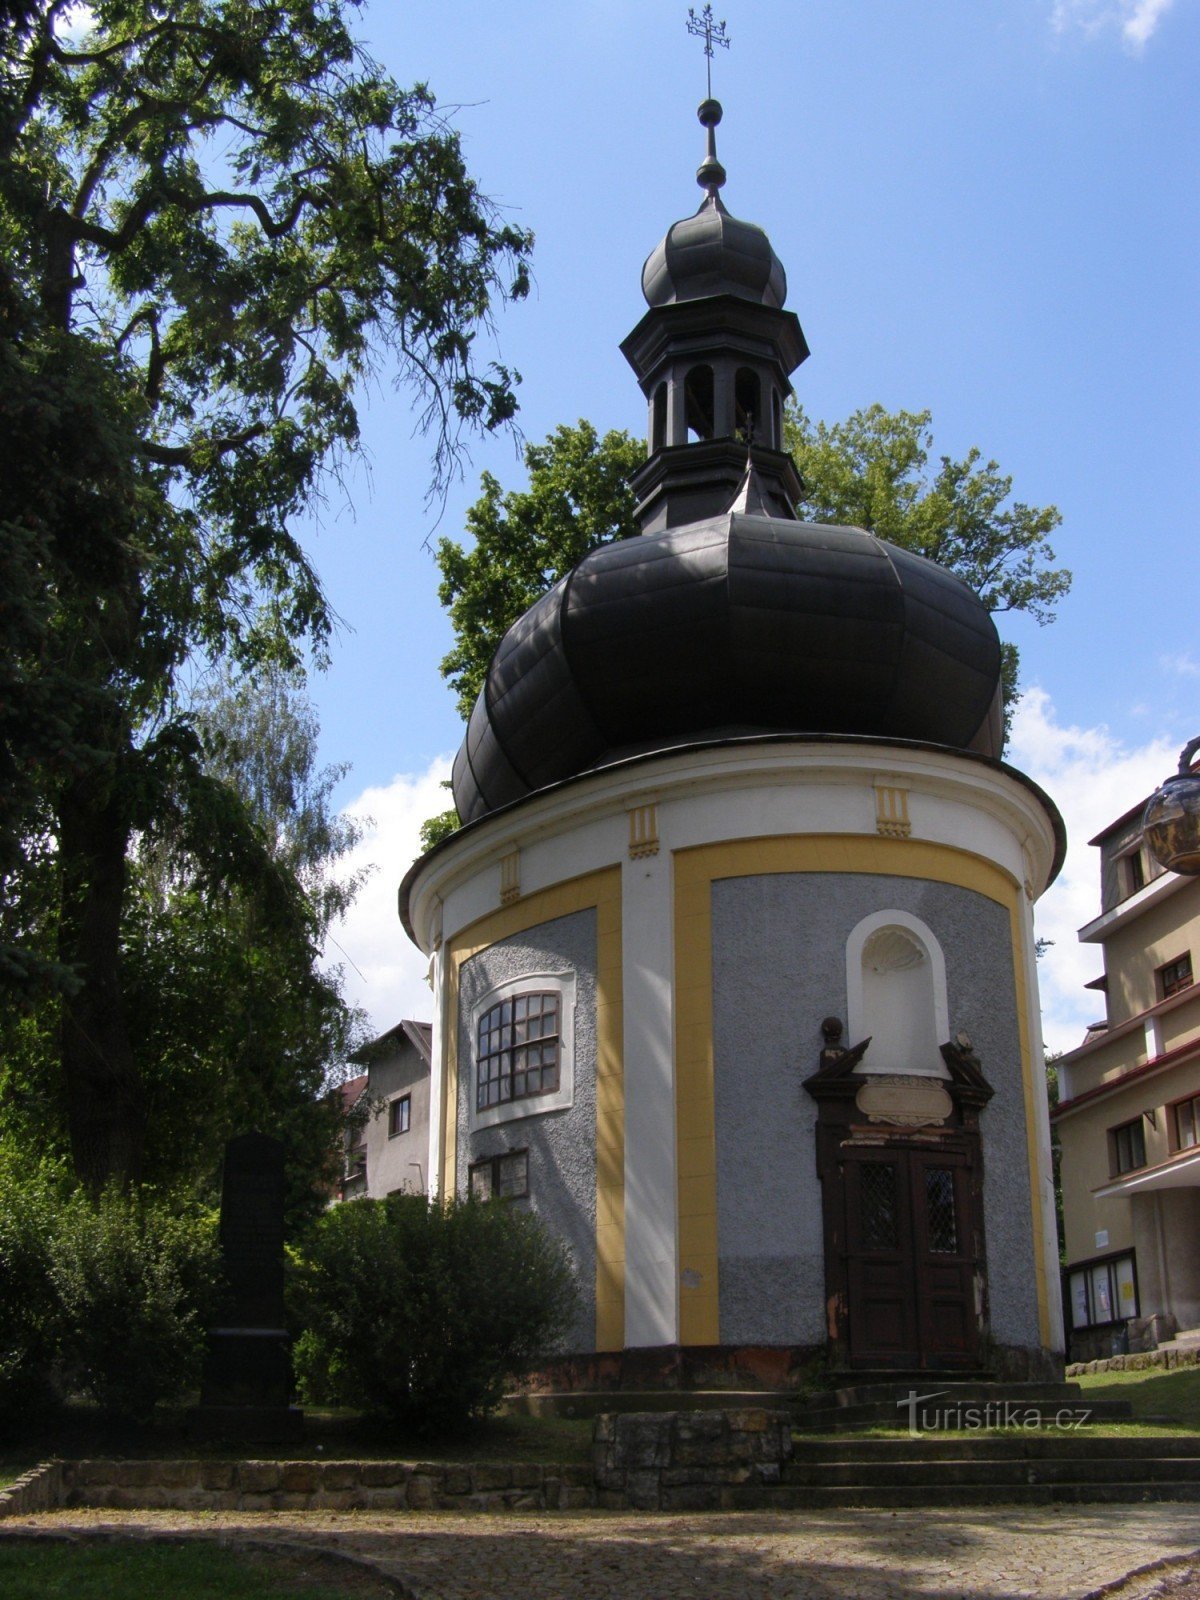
{"points": [[690, 1460], [670, 1461], [39, 1489], [1136, 1362], [324, 1486]]}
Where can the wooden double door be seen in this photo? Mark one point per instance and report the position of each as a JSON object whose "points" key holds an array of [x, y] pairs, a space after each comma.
{"points": [[912, 1273]]}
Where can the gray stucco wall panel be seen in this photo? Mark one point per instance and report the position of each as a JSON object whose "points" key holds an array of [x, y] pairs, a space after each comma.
{"points": [[561, 1144], [779, 967]]}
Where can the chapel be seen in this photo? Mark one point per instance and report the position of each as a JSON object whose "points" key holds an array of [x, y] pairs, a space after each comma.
{"points": [[733, 956]]}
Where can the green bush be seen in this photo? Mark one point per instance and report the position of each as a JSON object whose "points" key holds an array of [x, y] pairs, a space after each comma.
{"points": [[423, 1312], [29, 1311], [136, 1279]]}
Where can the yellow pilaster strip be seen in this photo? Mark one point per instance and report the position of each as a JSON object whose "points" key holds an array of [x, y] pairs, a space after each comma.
{"points": [[695, 1118], [600, 891]]}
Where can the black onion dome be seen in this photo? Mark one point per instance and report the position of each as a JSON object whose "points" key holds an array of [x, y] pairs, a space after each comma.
{"points": [[714, 253], [737, 625]]}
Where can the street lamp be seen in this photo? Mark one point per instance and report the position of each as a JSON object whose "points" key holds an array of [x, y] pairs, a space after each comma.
{"points": [[1171, 824]]}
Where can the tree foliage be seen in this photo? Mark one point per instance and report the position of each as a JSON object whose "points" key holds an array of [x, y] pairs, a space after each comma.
{"points": [[235, 1023], [524, 540], [216, 218], [872, 471], [423, 1311]]}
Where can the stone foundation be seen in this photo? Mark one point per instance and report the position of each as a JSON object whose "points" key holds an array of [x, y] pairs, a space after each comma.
{"points": [[675, 1368], [690, 1460]]}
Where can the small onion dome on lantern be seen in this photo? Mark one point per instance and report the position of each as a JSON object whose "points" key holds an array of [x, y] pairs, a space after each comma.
{"points": [[1171, 825]]}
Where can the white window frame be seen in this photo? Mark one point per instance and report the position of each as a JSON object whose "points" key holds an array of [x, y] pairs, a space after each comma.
{"points": [[560, 1099]]}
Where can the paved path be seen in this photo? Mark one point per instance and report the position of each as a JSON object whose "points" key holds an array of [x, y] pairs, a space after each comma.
{"points": [[1045, 1553]]}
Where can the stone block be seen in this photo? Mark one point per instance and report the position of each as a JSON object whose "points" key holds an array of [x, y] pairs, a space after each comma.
{"points": [[340, 1474], [419, 1492], [692, 1497], [526, 1500], [393, 1499], [256, 1499], [339, 1500], [299, 1477], [216, 1474], [456, 1480], [383, 1474], [527, 1475], [642, 1441], [576, 1476], [486, 1477], [749, 1419], [643, 1491], [603, 1429], [575, 1498], [294, 1500], [257, 1477]]}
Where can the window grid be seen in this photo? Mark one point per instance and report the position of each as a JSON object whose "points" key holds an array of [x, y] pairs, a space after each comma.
{"points": [[1187, 1123], [1175, 975], [502, 1177], [1129, 1146], [940, 1210], [877, 1190], [1103, 1293], [518, 1054]]}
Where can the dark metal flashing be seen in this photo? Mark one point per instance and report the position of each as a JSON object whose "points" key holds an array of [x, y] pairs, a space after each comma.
{"points": [[627, 762]]}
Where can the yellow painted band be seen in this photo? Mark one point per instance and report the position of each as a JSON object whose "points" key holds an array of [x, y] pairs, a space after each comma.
{"points": [[695, 1117], [599, 891]]}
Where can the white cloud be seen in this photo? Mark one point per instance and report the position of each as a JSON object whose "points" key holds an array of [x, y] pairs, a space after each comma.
{"points": [[385, 972], [1137, 20], [1093, 779], [1181, 665]]}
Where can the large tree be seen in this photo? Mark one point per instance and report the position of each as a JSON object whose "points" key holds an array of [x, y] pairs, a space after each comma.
{"points": [[234, 1019], [216, 216], [872, 471], [523, 540]]}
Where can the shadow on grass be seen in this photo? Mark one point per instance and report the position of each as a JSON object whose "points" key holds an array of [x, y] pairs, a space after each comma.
{"points": [[79, 1430], [1153, 1392]]}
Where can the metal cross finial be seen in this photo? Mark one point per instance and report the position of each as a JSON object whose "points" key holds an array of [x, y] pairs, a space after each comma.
{"points": [[711, 32]]}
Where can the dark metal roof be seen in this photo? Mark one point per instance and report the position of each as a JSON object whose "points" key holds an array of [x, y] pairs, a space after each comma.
{"points": [[713, 253], [733, 626]]}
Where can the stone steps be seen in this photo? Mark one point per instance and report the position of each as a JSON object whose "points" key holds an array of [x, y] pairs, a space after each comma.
{"points": [[1018, 1468], [951, 1403]]}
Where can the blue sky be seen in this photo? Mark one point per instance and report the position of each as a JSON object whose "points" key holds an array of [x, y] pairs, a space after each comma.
{"points": [[988, 209]]}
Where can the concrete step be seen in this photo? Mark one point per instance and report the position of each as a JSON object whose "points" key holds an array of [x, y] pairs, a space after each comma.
{"points": [[1126, 1450], [996, 1474], [953, 1388], [789, 1497], [937, 1415]]}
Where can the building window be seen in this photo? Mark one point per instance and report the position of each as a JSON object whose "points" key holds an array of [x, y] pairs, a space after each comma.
{"points": [[1176, 975], [1103, 1292], [399, 1115], [1133, 872], [747, 405], [503, 1177], [1187, 1123], [1128, 1143], [518, 1050]]}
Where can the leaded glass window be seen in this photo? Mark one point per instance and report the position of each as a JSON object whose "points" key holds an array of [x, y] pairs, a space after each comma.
{"points": [[941, 1217], [518, 1050], [877, 1193]]}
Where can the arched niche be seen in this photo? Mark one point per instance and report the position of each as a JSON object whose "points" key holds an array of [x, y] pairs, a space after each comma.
{"points": [[896, 994]]}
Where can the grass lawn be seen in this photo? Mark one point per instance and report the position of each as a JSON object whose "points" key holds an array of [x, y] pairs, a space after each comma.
{"points": [[197, 1570], [1153, 1392], [79, 1431]]}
